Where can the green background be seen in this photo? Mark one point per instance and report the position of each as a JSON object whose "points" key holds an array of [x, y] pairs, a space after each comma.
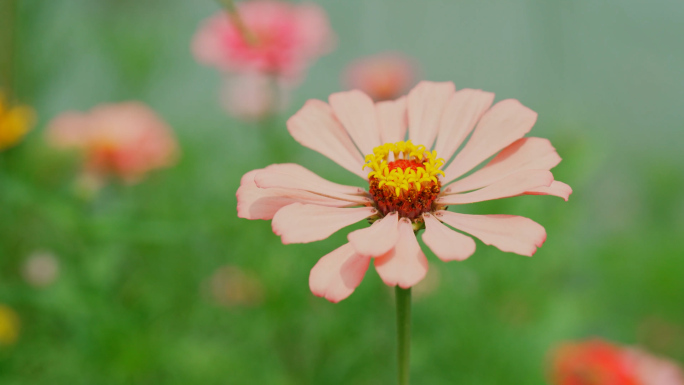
{"points": [[131, 305]]}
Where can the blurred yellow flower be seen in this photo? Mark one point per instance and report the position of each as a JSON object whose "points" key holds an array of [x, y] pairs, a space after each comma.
{"points": [[9, 326], [15, 122]]}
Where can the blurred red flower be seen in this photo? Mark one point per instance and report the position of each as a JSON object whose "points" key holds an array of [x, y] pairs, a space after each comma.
{"points": [[598, 362]]}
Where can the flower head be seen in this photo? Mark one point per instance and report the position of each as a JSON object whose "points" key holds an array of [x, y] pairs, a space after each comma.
{"points": [[598, 362], [288, 37], [15, 122], [410, 182], [125, 140], [385, 76], [404, 178]]}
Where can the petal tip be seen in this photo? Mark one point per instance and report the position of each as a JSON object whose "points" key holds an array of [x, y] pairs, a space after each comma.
{"points": [[542, 240], [327, 296]]}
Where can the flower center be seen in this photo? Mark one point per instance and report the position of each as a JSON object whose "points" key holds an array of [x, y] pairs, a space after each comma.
{"points": [[404, 178]]}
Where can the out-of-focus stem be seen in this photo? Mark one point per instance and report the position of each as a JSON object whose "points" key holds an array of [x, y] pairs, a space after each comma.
{"points": [[403, 297], [8, 11], [234, 15]]}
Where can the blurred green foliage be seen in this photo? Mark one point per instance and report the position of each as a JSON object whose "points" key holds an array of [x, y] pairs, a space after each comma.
{"points": [[132, 304]]}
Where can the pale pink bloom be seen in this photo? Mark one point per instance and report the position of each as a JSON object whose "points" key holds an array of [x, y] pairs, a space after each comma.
{"points": [[305, 207], [384, 76], [652, 370], [41, 269], [288, 38], [126, 140], [254, 96]]}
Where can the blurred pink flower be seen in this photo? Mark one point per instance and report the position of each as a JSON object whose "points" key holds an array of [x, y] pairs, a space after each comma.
{"points": [[254, 96], [652, 370], [41, 269], [125, 140], [289, 37], [384, 76], [598, 362], [410, 186]]}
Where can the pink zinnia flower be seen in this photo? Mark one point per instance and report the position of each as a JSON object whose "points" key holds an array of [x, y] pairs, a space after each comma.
{"points": [[288, 37], [409, 186], [384, 76], [598, 362], [125, 140]]}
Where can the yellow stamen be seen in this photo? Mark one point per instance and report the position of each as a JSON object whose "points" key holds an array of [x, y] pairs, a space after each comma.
{"points": [[425, 166]]}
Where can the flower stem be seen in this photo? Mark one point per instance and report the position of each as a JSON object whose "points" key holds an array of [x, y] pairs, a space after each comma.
{"points": [[234, 15], [403, 297], [8, 11]]}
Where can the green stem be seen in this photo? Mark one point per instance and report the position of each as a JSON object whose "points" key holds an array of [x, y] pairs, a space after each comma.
{"points": [[404, 333], [234, 15]]}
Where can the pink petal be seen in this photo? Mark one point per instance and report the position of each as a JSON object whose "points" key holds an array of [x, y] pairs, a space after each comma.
{"points": [[513, 185], [317, 37], [447, 244], [338, 273], [69, 130], [303, 223], [426, 103], [356, 112], [651, 369], [502, 125], [315, 127], [523, 154], [207, 45], [557, 188], [258, 203], [377, 239], [509, 233], [406, 265], [462, 111], [294, 176], [392, 120]]}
